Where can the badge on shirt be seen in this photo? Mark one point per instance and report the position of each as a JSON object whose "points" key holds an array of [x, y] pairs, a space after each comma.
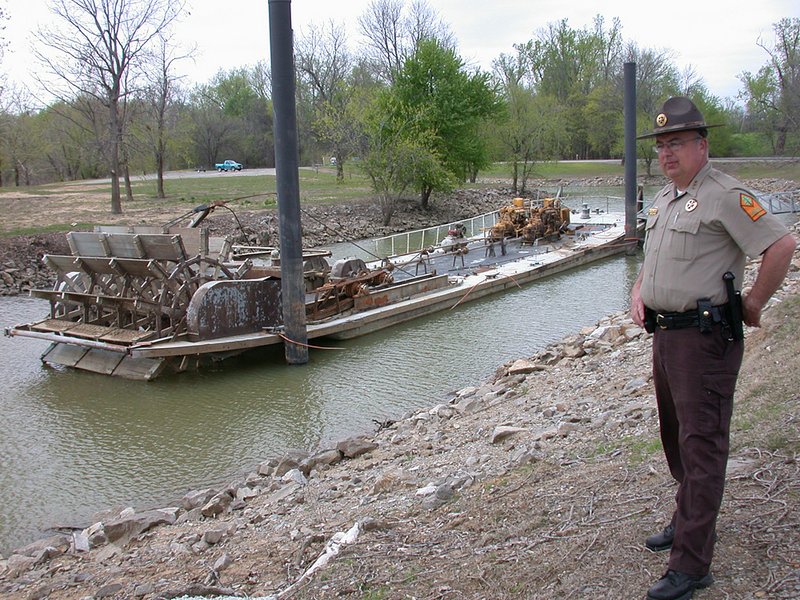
{"points": [[690, 205], [751, 206], [652, 212]]}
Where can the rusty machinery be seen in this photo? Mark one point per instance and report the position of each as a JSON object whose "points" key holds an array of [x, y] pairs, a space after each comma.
{"points": [[531, 223], [348, 279]]}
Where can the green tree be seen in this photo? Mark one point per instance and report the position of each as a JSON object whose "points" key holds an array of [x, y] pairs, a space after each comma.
{"points": [[394, 153], [446, 106], [529, 130]]}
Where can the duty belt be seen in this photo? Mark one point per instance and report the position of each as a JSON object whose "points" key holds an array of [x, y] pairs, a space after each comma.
{"points": [[690, 318]]}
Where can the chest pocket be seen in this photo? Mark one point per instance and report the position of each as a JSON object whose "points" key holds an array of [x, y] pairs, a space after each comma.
{"points": [[682, 232]]}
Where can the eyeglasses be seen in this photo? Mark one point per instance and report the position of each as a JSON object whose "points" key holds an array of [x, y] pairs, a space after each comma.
{"points": [[674, 145]]}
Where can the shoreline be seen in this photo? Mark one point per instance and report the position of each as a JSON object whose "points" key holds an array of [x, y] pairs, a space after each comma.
{"points": [[582, 405]]}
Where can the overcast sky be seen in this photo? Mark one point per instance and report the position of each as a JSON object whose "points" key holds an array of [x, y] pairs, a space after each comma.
{"points": [[718, 38]]}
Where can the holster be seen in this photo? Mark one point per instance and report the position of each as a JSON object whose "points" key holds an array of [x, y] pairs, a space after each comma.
{"points": [[649, 320], [706, 315], [733, 312]]}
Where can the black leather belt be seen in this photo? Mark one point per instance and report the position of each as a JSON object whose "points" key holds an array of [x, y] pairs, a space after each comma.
{"points": [[690, 318], [677, 320]]}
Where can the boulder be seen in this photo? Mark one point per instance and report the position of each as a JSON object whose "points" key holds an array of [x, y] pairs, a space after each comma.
{"points": [[356, 446]]}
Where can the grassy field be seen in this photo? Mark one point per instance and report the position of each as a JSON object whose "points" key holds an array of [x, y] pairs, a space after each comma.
{"points": [[62, 206]]}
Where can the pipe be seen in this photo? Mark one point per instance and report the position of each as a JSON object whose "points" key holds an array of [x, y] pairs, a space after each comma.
{"points": [[288, 180], [629, 109]]}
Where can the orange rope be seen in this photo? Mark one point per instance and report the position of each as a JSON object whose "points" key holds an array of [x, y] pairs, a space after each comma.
{"points": [[469, 291], [291, 341], [515, 281]]}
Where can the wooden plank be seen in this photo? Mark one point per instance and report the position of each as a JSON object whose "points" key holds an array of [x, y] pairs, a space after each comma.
{"points": [[88, 243], [99, 361], [89, 331], [63, 355], [53, 325], [195, 239], [163, 247], [126, 336], [125, 245], [60, 263], [140, 368]]}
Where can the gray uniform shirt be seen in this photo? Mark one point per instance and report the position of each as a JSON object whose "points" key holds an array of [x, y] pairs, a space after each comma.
{"points": [[694, 237]]}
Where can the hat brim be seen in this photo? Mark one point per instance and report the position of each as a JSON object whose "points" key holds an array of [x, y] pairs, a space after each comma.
{"points": [[676, 128]]}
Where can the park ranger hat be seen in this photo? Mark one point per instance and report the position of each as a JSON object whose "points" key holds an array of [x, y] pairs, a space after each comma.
{"points": [[677, 114]]}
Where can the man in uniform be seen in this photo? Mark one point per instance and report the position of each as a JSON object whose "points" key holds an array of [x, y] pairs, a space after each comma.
{"points": [[701, 226]]}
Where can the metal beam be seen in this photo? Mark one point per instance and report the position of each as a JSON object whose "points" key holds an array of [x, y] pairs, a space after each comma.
{"points": [[629, 110], [288, 180]]}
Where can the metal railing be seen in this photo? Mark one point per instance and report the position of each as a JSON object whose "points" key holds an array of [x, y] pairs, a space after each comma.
{"points": [[419, 239], [779, 203]]}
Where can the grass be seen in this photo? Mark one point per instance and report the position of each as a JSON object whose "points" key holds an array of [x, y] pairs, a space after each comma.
{"points": [[317, 186], [52, 228]]}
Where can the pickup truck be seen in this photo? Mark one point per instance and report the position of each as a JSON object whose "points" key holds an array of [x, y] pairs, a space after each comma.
{"points": [[228, 165]]}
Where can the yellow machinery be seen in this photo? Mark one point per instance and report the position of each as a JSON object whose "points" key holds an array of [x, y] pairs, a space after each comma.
{"points": [[545, 221]]}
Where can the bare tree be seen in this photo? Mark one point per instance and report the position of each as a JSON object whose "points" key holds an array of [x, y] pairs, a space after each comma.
{"points": [[324, 67], [774, 92], [158, 99], [97, 49], [392, 33], [3, 44]]}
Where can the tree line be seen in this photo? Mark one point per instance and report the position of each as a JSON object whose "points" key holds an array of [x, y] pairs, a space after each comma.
{"points": [[404, 108]]}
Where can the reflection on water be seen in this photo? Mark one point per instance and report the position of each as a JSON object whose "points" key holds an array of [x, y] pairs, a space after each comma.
{"points": [[74, 443]]}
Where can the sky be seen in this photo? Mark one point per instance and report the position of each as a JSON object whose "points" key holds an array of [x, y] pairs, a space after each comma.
{"points": [[717, 38]]}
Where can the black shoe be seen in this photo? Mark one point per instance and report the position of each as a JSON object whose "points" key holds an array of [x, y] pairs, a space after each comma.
{"points": [[661, 541], [675, 585]]}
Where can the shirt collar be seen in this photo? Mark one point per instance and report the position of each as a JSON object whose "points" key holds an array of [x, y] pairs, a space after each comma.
{"points": [[694, 185]]}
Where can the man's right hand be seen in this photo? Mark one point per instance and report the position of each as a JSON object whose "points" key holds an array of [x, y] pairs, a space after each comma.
{"points": [[637, 305]]}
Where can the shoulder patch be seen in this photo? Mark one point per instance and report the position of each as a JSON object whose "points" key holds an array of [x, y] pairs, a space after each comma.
{"points": [[751, 206]]}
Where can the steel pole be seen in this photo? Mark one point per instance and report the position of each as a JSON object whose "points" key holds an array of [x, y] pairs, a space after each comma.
{"points": [[629, 111], [288, 180]]}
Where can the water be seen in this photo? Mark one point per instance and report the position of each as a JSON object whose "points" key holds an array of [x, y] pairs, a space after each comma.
{"points": [[75, 443]]}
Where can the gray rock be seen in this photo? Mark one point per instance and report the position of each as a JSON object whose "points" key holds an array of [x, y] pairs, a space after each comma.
{"points": [[144, 589], [267, 468], [222, 563], [17, 564], [284, 493], [214, 536], [107, 553], [290, 460], [217, 505], [501, 432], [197, 498], [245, 493], [51, 546], [324, 457], [468, 405], [126, 528], [109, 590], [296, 476], [80, 541], [356, 446]]}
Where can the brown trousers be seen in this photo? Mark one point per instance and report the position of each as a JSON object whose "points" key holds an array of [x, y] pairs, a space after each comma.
{"points": [[695, 376]]}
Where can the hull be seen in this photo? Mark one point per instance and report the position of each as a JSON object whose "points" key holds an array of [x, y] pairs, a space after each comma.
{"points": [[224, 317]]}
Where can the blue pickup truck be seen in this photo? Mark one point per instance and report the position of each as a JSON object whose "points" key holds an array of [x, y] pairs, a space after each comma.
{"points": [[228, 165]]}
